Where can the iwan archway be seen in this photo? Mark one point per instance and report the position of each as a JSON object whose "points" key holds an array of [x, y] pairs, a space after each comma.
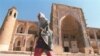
{"points": [[71, 34], [69, 27]]}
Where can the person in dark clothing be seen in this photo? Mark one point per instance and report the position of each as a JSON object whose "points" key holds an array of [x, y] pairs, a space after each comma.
{"points": [[41, 43], [44, 42]]}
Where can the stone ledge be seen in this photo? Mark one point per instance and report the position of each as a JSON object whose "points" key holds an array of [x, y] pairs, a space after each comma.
{"points": [[24, 53], [15, 52]]}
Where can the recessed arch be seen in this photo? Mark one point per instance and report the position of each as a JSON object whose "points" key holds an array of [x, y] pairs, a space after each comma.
{"points": [[17, 44], [70, 29], [20, 28], [69, 25], [29, 44], [32, 30]]}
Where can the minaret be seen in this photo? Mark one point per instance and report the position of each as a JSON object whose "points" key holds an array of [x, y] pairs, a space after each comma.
{"points": [[7, 29]]}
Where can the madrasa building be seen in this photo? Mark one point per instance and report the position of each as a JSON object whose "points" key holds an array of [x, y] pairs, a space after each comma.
{"points": [[70, 32]]}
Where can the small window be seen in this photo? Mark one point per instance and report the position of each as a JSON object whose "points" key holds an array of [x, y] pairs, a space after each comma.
{"points": [[10, 13], [18, 43], [14, 15]]}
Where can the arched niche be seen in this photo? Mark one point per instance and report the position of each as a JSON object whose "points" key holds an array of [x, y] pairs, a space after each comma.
{"points": [[17, 44], [29, 44], [71, 34], [20, 28], [32, 30]]}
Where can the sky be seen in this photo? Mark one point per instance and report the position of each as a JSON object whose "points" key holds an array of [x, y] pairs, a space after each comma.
{"points": [[29, 9]]}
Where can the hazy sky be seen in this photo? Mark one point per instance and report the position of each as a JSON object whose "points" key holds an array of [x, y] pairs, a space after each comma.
{"points": [[28, 9]]}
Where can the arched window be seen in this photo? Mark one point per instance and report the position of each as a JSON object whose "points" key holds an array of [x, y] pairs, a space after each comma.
{"points": [[17, 45], [31, 30], [10, 13], [20, 29], [14, 15]]}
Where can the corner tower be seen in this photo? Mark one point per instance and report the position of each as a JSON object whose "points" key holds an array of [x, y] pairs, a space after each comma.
{"points": [[7, 29]]}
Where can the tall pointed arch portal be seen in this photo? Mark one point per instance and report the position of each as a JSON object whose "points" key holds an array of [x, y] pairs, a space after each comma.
{"points": [[69, 29], [71, 34]]}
